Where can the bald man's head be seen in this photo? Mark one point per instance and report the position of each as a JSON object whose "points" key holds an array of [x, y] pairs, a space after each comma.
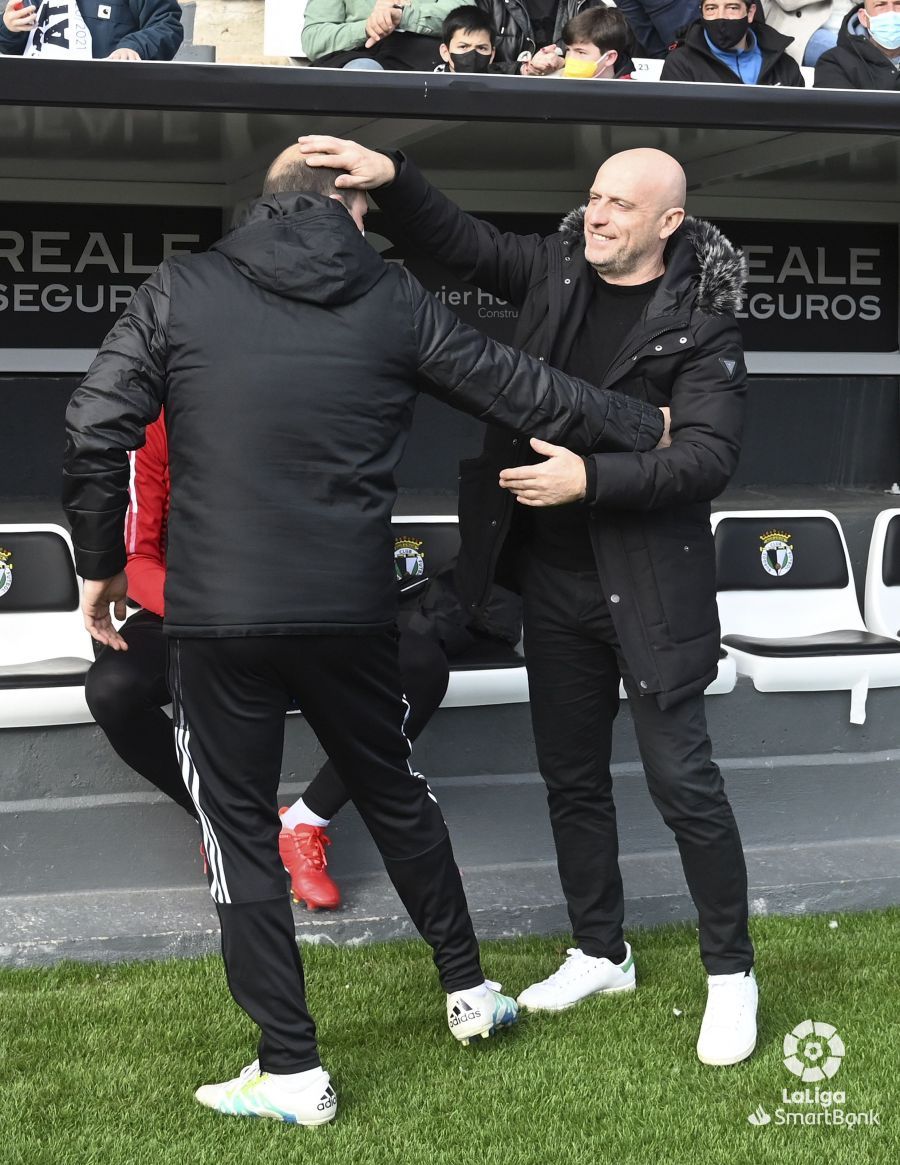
{"points": [[636, 203], [289, 174]]}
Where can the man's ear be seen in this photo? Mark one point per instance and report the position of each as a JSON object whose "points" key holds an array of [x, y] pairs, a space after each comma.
{"points": [[751, 13], [445, 55], [613, 57], [493, 54], [672, 220], [864, 18]]}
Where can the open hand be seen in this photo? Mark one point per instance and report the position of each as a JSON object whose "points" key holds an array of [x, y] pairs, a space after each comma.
{"points": [[96, 598], [557, 481], [366, 169]]}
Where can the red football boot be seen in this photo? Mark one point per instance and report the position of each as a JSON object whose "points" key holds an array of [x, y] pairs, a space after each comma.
{"points": [[302, 852]]}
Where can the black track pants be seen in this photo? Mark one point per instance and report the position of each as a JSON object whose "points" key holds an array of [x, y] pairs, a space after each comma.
{"points": [[230, 698]]}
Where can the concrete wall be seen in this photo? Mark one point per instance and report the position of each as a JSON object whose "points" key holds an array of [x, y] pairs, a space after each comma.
{"points": [[235, 27]]}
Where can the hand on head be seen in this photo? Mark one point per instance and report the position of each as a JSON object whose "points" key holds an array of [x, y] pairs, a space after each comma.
{"points": [[366, 169]]}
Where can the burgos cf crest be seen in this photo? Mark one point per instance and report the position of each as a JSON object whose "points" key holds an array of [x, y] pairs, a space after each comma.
{"points": [[6, 569], [409, 561], [777, 554]]}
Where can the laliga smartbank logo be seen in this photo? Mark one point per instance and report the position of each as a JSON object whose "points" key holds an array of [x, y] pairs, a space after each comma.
{"points": [[813, 1052]]}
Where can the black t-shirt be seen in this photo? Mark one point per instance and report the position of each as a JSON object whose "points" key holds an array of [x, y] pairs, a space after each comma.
{"points": [[560, 534]]}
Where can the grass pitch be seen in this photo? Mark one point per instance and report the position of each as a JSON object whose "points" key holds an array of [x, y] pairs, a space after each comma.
{"points": [[99, 1062]]}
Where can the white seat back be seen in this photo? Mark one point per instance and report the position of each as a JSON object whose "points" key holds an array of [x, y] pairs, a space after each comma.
{"points": [[783, 574], [883, 576], [647, 68], [283, 27]]}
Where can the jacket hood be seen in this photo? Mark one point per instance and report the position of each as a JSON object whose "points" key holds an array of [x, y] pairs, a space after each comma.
{"points": [[850, 26], [303, 246], [720, 267]]}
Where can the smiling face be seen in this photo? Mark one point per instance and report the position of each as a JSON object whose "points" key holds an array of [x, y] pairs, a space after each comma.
{"points": [[635, 204]]}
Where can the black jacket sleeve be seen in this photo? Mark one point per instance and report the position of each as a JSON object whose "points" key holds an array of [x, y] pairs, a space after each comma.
{"points": [[707, 419], [475, 250], [158, 29], [121, 394], [503, 386]]}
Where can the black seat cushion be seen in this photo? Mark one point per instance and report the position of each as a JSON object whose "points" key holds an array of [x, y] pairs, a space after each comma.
{"points": [[814, 560], [66, 672], [41, 572], [486, 655], [830, 643]]}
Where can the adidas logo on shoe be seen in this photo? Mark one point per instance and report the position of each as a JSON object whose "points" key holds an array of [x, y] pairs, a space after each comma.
{"points": [[463, 1013], [329, 1100]]}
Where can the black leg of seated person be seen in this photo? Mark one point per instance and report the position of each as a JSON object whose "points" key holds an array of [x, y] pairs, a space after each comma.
{"points": [[126, 692], [425, 674]]}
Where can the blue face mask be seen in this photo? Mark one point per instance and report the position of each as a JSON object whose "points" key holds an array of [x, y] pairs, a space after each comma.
{"points": [[886, 29]]}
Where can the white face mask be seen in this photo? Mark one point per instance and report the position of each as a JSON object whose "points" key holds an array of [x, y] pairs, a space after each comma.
{"points": [[885, 29]]}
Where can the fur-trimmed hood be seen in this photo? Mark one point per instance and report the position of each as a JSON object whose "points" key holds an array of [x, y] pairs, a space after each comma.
{"points": [[721, 267]]}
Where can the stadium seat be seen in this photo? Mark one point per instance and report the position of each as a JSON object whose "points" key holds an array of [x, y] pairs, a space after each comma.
{"points": [[45, 651], [489, 672], [647, 69], [788, 607], [282, 29], [883, 576]]}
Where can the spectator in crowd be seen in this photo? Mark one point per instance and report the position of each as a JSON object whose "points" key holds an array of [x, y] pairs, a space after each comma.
{"points": [[867, 55], [467, 41], [288, 359], [656, 24], [613, 555], [391, 34], [596, 46], [722, 46], [526, 26], [813, 24], [124, 30]]}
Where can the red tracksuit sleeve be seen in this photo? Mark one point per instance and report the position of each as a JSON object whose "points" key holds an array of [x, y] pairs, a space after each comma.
{"points": [[147, 518]]}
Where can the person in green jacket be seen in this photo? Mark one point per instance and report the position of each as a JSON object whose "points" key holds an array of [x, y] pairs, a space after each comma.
{"points": [[389, 34]]}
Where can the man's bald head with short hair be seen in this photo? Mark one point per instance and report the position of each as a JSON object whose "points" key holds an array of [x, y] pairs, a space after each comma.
{"points": [[289, 174], [636, 203]]}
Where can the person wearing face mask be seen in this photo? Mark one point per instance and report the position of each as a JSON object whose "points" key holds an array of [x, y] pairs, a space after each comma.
{"points": [[596, 43], [867, 55], [727, 45], [467, 42]]}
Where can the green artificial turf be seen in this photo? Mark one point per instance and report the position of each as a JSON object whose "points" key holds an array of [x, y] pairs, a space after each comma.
{"points": [[99, 1062]]}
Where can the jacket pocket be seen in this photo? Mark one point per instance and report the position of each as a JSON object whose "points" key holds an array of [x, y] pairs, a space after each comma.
{"points": [[684, 564]]}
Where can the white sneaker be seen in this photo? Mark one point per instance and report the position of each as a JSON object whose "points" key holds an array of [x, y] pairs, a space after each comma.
{"points": [[580, 975], [256, 1093], [728, 1031], [479, 1011]]}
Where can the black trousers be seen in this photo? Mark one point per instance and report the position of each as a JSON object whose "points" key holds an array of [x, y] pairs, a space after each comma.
{"points": [[574, 665], [127, 690], [230, 697]]}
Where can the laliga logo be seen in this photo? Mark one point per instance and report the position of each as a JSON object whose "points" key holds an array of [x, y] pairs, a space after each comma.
{"points": [[777, 554], [813, 1051]]}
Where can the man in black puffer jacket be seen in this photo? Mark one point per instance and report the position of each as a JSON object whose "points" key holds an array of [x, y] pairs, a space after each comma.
{"points": [[288, 359], [613, 554], [860, 60]]}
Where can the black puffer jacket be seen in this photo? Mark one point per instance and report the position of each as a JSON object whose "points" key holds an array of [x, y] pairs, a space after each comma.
{"points": [[855, 62], [694, 60], [649, 512], [515, 32], [288, 358]]}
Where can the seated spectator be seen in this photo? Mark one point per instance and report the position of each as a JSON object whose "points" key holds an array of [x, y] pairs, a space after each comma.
{"points": [[867, 55], [814, 25], [596, 42], [389, 34], [140, 30], [467, 41], [656, 24], [525, 26], [721, 46]]}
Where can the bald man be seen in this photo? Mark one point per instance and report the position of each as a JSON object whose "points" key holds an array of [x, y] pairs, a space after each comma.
{"points": [[612, 552], [288, 358]]}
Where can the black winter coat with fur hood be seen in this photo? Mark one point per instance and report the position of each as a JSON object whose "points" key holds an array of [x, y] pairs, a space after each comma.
{"points": [[649, 512], [288, 358]]}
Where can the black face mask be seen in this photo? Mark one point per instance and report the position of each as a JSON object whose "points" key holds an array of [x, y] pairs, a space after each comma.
{"points": [[725, 34], [471, 62]]}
